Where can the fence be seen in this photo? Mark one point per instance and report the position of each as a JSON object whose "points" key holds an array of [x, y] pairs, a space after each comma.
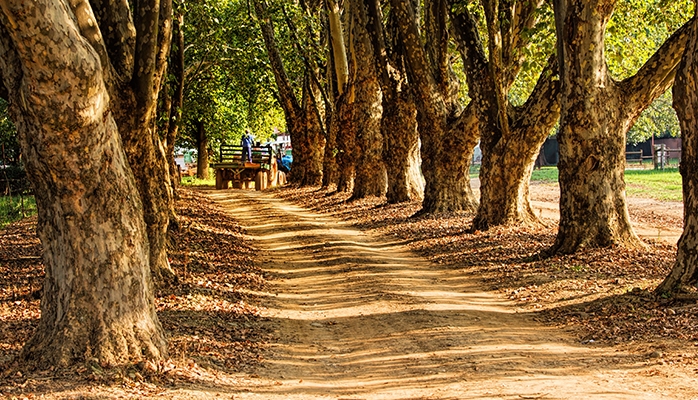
{"points": [[661, 158]]}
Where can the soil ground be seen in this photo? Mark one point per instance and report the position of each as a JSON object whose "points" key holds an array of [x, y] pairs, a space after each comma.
{"points": [[364, 302], [359, 316]]}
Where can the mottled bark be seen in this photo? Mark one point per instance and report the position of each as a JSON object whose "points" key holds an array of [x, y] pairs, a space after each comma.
{"points": [[401, 149], [370, 179], [596, 114], [329, 161], [298, 118], [133, 98], [202, 151], [346, 142], [399, 120], [97, 300], [510, 136], [313, 141], [685, 94], [446, 146]]}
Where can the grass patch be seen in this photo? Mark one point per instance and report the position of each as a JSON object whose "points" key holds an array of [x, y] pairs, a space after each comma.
{"points": [[662, 185], [14, 208], [474, 170], [545, 174], [194, 181]]}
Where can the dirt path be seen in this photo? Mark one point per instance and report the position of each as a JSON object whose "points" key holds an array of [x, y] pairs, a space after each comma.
{"points": [[359, 317]]}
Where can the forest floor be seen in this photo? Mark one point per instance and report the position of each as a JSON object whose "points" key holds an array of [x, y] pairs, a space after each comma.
{"points": [[303, 294]]}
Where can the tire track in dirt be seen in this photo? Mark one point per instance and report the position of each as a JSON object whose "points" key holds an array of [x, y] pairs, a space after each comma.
{"points": [[360, 317]]}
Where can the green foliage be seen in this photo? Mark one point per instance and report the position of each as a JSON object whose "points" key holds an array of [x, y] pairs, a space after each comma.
{"points": [[659, 119], [229, 86], [636, 30], [8, 136]]}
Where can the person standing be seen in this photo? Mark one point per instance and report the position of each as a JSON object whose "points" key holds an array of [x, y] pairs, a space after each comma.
{"points": [[246, 144]]}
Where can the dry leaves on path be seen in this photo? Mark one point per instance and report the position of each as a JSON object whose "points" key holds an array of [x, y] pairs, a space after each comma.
{"points": [[208, 315]]}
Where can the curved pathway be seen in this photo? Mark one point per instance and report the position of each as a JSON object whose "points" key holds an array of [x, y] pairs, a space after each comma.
{"points": [[360, 317]]}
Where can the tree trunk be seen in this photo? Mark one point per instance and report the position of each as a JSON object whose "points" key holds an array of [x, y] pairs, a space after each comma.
{"points": [[135, 104], [446, 153], [346, 142], [510, 136], [313, 140], [508, 159], [593, 212], [399, 120], [596, 113], [329, 163], [448, 134], [175, 112], [685, 93], [202, 149], [97, 300], [401, 149], [370, 179]]}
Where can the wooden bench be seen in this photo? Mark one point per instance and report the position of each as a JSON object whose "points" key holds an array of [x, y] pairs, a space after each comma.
{"points": [[262, 170]]}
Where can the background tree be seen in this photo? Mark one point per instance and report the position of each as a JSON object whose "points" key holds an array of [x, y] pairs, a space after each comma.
{"points": [[227, 85], [300, 115], [511, 136], [90, 214], [597, 112], [399, 117], [444, 127]]}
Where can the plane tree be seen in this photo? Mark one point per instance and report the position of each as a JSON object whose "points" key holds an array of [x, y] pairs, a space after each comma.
{"points": [[511, 135], [399, 116], [596, 113], [447, 131], [297, 93], [82, 79]]}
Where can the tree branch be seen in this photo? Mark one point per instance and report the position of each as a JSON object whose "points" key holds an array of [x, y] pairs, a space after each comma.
{"points": [[376, 33], [118, 33], [145, 78], [437, 42], [164, 38], [657, 74], [89, 29], [420, 71], [304, 55], [288, 100], [542, 108], [339, 50]]}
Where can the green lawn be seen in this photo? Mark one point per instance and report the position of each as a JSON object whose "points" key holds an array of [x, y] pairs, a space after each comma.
{"points": [[545, 174], [194, 181], [657, 184], [15, 208], [662, 185]]}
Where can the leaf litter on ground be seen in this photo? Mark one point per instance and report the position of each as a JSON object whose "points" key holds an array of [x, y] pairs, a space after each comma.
{"points": [[209, 316]]}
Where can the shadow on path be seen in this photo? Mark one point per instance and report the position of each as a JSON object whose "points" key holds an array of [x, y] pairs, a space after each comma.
{"points": [[357, 317]]}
